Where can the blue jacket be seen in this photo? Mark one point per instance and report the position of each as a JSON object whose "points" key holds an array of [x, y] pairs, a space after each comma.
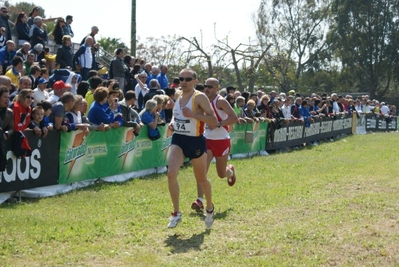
{"points": [[84, 57], [163, 80], [5, 55], [99, 114]]}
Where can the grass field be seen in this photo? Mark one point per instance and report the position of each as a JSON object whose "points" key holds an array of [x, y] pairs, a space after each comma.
{"points": [[335, 204]]}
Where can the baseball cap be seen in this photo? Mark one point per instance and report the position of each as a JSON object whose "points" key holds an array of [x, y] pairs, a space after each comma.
{"points": [[59, 85], [42, 80]]}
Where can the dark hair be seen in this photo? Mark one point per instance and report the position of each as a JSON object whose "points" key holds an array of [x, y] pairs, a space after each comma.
{"points": [[35, 8], [37, 108], [245, 95], [92, 73], [199, 87], [127, 59], [68, 17], [34, 69], [57, 26], [82, 89], [130, 94], [16, 60], [95, 81], [66, 97], [118, 51], [19, 18], [136, 69], [44, 104], [3, 89]]}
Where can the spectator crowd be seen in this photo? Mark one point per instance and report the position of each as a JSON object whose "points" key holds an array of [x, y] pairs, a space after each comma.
{"points": [[40, 91]]}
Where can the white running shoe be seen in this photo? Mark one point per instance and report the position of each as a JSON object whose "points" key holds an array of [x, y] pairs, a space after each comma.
{"points": [[174, 219], [209, 218]]}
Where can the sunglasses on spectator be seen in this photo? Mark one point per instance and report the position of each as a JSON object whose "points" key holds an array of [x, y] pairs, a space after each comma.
{"points": [[208, 86], [187, 79], [30, 97]]}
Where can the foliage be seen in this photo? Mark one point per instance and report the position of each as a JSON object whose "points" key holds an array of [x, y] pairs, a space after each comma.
{"points": [[111, 44], [364, 35], [331, 205], [14, 10]]}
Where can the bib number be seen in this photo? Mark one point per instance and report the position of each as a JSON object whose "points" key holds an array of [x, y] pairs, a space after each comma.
{"points": [[180, 126]]}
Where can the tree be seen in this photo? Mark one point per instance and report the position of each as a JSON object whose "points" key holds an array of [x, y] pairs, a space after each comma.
{"points": [[296, 30], [365, 37]]}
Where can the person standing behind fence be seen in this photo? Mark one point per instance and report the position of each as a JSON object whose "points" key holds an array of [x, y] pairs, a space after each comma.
{"points": [[217, 138], [4, 17], [65, 54], [38, 32], [191, 111], [119, 68], [6, 125], [22, 28], [84, 58], [162, 78], [94, 46], [67, 26]]}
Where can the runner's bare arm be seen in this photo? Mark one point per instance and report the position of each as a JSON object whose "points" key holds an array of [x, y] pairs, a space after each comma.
{"points": [[224, 105], [201, 102]]}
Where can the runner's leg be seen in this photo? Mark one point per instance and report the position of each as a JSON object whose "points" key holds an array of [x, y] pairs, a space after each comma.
{"points": [[176, 159], [200, 170]]}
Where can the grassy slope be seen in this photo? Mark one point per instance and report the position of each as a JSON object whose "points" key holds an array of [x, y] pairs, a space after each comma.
{"points": [[331, 205]]}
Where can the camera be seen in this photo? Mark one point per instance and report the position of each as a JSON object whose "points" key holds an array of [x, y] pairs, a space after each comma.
{"points": [[116, 100]]}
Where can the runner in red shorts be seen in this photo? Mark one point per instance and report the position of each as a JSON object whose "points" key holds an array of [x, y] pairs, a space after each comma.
{"points": [[218, 138]]}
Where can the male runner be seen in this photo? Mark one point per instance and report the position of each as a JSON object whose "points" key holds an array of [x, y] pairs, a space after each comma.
{"points": [[218, 138], [192, 109]]}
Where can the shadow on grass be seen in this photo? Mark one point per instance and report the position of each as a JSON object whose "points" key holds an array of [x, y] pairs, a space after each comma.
{"points": [[218, 214], [180, 244]]}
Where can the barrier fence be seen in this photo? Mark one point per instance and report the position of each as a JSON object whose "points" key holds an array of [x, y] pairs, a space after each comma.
{"points": [[67, 158]]}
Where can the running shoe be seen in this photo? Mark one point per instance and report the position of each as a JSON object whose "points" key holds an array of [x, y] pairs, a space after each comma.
{"points": [[174, 219], [209, 218], [231, 180], [197, 206]]}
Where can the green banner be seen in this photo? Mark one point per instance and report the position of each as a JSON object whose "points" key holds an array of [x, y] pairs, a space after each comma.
{"points": [[102, 154], [255, 131], [117, 151]]}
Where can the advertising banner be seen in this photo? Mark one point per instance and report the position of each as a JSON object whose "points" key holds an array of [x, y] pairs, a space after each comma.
{"points": [[296, 133], [376, 123], [39, 169], [102, 154], [248, 137]]}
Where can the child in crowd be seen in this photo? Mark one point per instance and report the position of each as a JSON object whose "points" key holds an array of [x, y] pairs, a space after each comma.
{"points": [[47, 111], [37, 124]]}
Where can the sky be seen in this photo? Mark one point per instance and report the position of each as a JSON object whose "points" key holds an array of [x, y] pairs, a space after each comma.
{"points": [[158, 18]]}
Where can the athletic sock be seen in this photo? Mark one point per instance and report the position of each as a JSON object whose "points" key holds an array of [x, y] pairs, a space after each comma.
{"points": [[229, 173], [200, 199], [210, 211]]}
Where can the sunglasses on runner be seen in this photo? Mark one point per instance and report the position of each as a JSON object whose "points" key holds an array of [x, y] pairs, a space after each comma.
{"points": [[187, 79], [208, 86]]}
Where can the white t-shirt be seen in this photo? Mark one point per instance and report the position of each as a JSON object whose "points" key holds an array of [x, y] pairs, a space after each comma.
{"points": [[40, 95]]}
